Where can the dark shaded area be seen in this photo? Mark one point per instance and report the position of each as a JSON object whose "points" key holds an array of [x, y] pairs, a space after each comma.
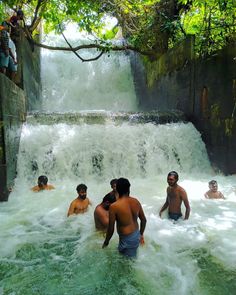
{"points": [[204, 90]]}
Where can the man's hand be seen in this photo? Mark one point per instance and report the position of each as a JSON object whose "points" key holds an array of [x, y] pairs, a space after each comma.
{"points": [[105, 244], [142, 242]]}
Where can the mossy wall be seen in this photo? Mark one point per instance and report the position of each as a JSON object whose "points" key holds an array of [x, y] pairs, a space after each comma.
{"points": [[16, 98], [204, 89], [12, 116]]}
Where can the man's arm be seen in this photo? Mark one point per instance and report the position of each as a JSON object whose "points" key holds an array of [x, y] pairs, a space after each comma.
{"points": [[71, 209], [143, 222], [165, 206], [110, 230], [101, 217], [221, 195], [186, 203]]}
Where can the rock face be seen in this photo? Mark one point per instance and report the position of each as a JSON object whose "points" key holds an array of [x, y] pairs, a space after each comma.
{"points": [[204, 90]]}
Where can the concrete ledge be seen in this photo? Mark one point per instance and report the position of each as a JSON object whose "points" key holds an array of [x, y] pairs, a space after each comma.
{"points": [[12, 116]]}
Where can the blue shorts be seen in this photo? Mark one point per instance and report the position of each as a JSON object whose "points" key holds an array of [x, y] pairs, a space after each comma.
{"points": [[4, 60], [175, 216], [128, 244], [12, 66]]}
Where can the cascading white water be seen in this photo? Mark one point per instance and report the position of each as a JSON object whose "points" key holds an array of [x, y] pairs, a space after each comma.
{"points": [[44, 252], [70, 85]]}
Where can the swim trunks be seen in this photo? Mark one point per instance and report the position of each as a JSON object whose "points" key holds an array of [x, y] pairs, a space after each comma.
{"points": [[175, 216], [128, 244]]}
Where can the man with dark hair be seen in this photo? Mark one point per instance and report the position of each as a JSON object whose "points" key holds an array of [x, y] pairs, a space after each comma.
{"points": [[81, 203], [113, 183], [213, 192], [42, 184], [101, 214], [125, 212], [175, 196]]}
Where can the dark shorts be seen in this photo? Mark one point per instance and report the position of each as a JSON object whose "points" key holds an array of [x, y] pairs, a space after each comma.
{"points": [[128, 244], [175, 216], [4, 60]]}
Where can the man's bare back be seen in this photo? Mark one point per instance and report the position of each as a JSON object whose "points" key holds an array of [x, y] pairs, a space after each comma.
{"points": [[125, 213], [126, 210]]}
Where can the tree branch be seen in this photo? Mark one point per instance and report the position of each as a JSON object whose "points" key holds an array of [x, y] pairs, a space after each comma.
{"points": [[90, 46], [82, 59]]}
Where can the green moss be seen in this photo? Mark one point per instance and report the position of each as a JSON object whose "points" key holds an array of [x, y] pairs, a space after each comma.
{"points": [[229, 126], [215, 115]]}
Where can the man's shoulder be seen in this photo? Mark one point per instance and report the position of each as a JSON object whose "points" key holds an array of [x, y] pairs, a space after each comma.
{"points": [[35, 188]]}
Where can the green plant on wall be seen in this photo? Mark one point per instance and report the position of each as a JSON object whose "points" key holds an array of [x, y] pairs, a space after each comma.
{"points": [[215, 116], [229, 126]]}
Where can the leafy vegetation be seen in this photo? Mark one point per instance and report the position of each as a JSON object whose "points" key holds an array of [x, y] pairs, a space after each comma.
{"points": [[148, 26]]}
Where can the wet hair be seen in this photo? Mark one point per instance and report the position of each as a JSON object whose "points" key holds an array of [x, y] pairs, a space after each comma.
{"points": [[173, 173], [43, 180], [109, 198], [123, 186], [113, 181], [212, 182], [81, 187]]}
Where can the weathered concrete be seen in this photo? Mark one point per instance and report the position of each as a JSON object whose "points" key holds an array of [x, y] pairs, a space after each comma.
{"points": [[14, 101], [28, 74], [205, 90], [12, 115]]}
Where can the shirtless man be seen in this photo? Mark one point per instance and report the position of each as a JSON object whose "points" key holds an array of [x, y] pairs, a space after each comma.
{"points": [[175, 196], [42, 184], [213, 192], [81, 203], [101, 214], [114, 192], [125, 212]]}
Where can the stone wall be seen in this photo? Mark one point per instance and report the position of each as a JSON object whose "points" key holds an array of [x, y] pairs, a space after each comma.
{"points": [[15, 99], [205, 90], [12, 115]]}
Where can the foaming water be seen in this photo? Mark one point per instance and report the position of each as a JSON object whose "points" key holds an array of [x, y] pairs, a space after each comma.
{"points": [[44, 252], [71, 85]]}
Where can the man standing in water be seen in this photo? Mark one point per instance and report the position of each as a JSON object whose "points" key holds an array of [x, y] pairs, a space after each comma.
{"points": [[81, 203], [113, 183], [125, 212], [213, 192], [175, 196], [101, 212], [42, 184]]}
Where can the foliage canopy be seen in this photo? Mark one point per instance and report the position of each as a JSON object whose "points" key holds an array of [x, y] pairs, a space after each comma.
{"points": [[148, 26]]}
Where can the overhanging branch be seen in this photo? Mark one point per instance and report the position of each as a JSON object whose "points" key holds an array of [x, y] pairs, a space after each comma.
{"points": [[99, 47]]}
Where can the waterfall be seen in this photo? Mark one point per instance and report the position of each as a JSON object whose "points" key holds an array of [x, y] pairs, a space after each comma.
{"points": [[86, 141]]}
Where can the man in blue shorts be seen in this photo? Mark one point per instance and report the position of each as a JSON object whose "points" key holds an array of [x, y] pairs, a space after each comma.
{"points": [[175, 196], [125, 212]]}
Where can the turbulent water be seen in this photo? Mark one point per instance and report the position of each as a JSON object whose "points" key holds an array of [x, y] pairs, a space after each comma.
{"points": [[45, 253]]}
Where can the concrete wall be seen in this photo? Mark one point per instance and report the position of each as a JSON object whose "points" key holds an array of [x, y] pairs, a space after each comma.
{"points": [[15, 99], [205, 90]]}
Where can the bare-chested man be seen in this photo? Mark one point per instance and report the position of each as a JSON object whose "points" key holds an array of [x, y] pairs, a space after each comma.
{"points": [[114, 192], [213, 192], [42, 184], [175, 196], [125, 212], [101, 212], [81, 203]]}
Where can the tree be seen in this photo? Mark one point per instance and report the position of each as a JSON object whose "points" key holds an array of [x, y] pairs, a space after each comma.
{"points": [[149, 27]]}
